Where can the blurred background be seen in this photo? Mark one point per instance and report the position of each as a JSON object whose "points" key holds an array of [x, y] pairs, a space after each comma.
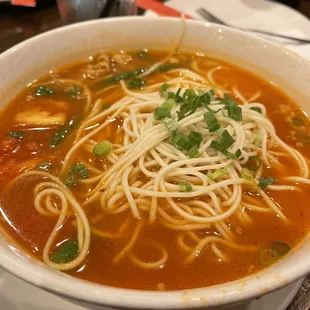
{"points": [[21, 19]]}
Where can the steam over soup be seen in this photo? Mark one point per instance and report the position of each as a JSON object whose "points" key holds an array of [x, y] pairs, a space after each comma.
{"points": [[153, 171]]}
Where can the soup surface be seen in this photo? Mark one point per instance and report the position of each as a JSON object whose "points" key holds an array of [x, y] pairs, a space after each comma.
{"points": [[76, 124]]}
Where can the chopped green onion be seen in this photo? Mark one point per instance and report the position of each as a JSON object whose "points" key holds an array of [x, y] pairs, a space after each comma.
{"points": [[218, 173], [228, 101], [171, 124], [65, 253], [181, 141], [185, 187], [142, 54], [264, 182], [211, 121], [76, 170], [160, 113], [73, 91], [168, 104], [207, 97], [62, 133], [256, 109], [103, 148], [268, 257], [211, 110], [226, 139], [231, 155], [193, 152], [297, 121], [280, 247], [247, 174], [305, 139], [254, 163], [44, 91], [195, 137], [163, 88], [136, 83], [233, 111], [16, 134], [128, 75], [45, 165], [257, 141]]}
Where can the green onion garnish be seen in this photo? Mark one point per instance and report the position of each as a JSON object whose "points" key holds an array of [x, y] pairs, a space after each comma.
{"points": [[268, 257], [136, 83], [103, 148], [66, 252], [207, 97], [181, 141], [226, 139], [254, 163], [264, 182], [211, 121], [163, 88], [62, 133], [73, 91], [218, 173], [195, 137], [233, 111], [257, 109], [280, 247], [160, 113], [247, 174], [228, 101], [171, 124], [142, 54], [193, 152], [185, 187], [76, 170], [44, 91], [16, 134], [168, 104]]}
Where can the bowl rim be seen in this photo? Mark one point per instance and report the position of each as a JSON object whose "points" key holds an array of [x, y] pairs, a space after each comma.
{"points": [[91, 293]]}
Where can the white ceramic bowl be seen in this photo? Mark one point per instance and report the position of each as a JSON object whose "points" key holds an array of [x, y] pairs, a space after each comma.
{"points": [[32, 58]]}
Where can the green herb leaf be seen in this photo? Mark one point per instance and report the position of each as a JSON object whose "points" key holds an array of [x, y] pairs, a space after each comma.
{"points": [[65, 253], [185, 187], [103, 148], [211, 121], [74, 91], [44, 91], [16, 134], [171, 124], [264, 182], [136, 83], [62, 133], [76, 171], [233, 111], [168, 104], [228, 101]]}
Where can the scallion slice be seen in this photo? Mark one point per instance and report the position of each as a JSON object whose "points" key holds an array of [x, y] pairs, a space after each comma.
{"points": [[254, 163], [268, 257], [256, 109], [168, 104], [264, 182], [246, 174], [171, 124], [181, 141], [102, 149], [211, 121], [160, 113], [218, 173], [163, 88], [280, 247], [193, 152], [185, 187], [233, 111], [195, 137]]}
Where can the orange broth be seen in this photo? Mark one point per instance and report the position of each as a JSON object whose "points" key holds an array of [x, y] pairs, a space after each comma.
{"points": [[31, 230]]}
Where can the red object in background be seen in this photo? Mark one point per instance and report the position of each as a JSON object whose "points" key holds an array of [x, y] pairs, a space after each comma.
{"points": [[159, 8], [31, 3]]}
